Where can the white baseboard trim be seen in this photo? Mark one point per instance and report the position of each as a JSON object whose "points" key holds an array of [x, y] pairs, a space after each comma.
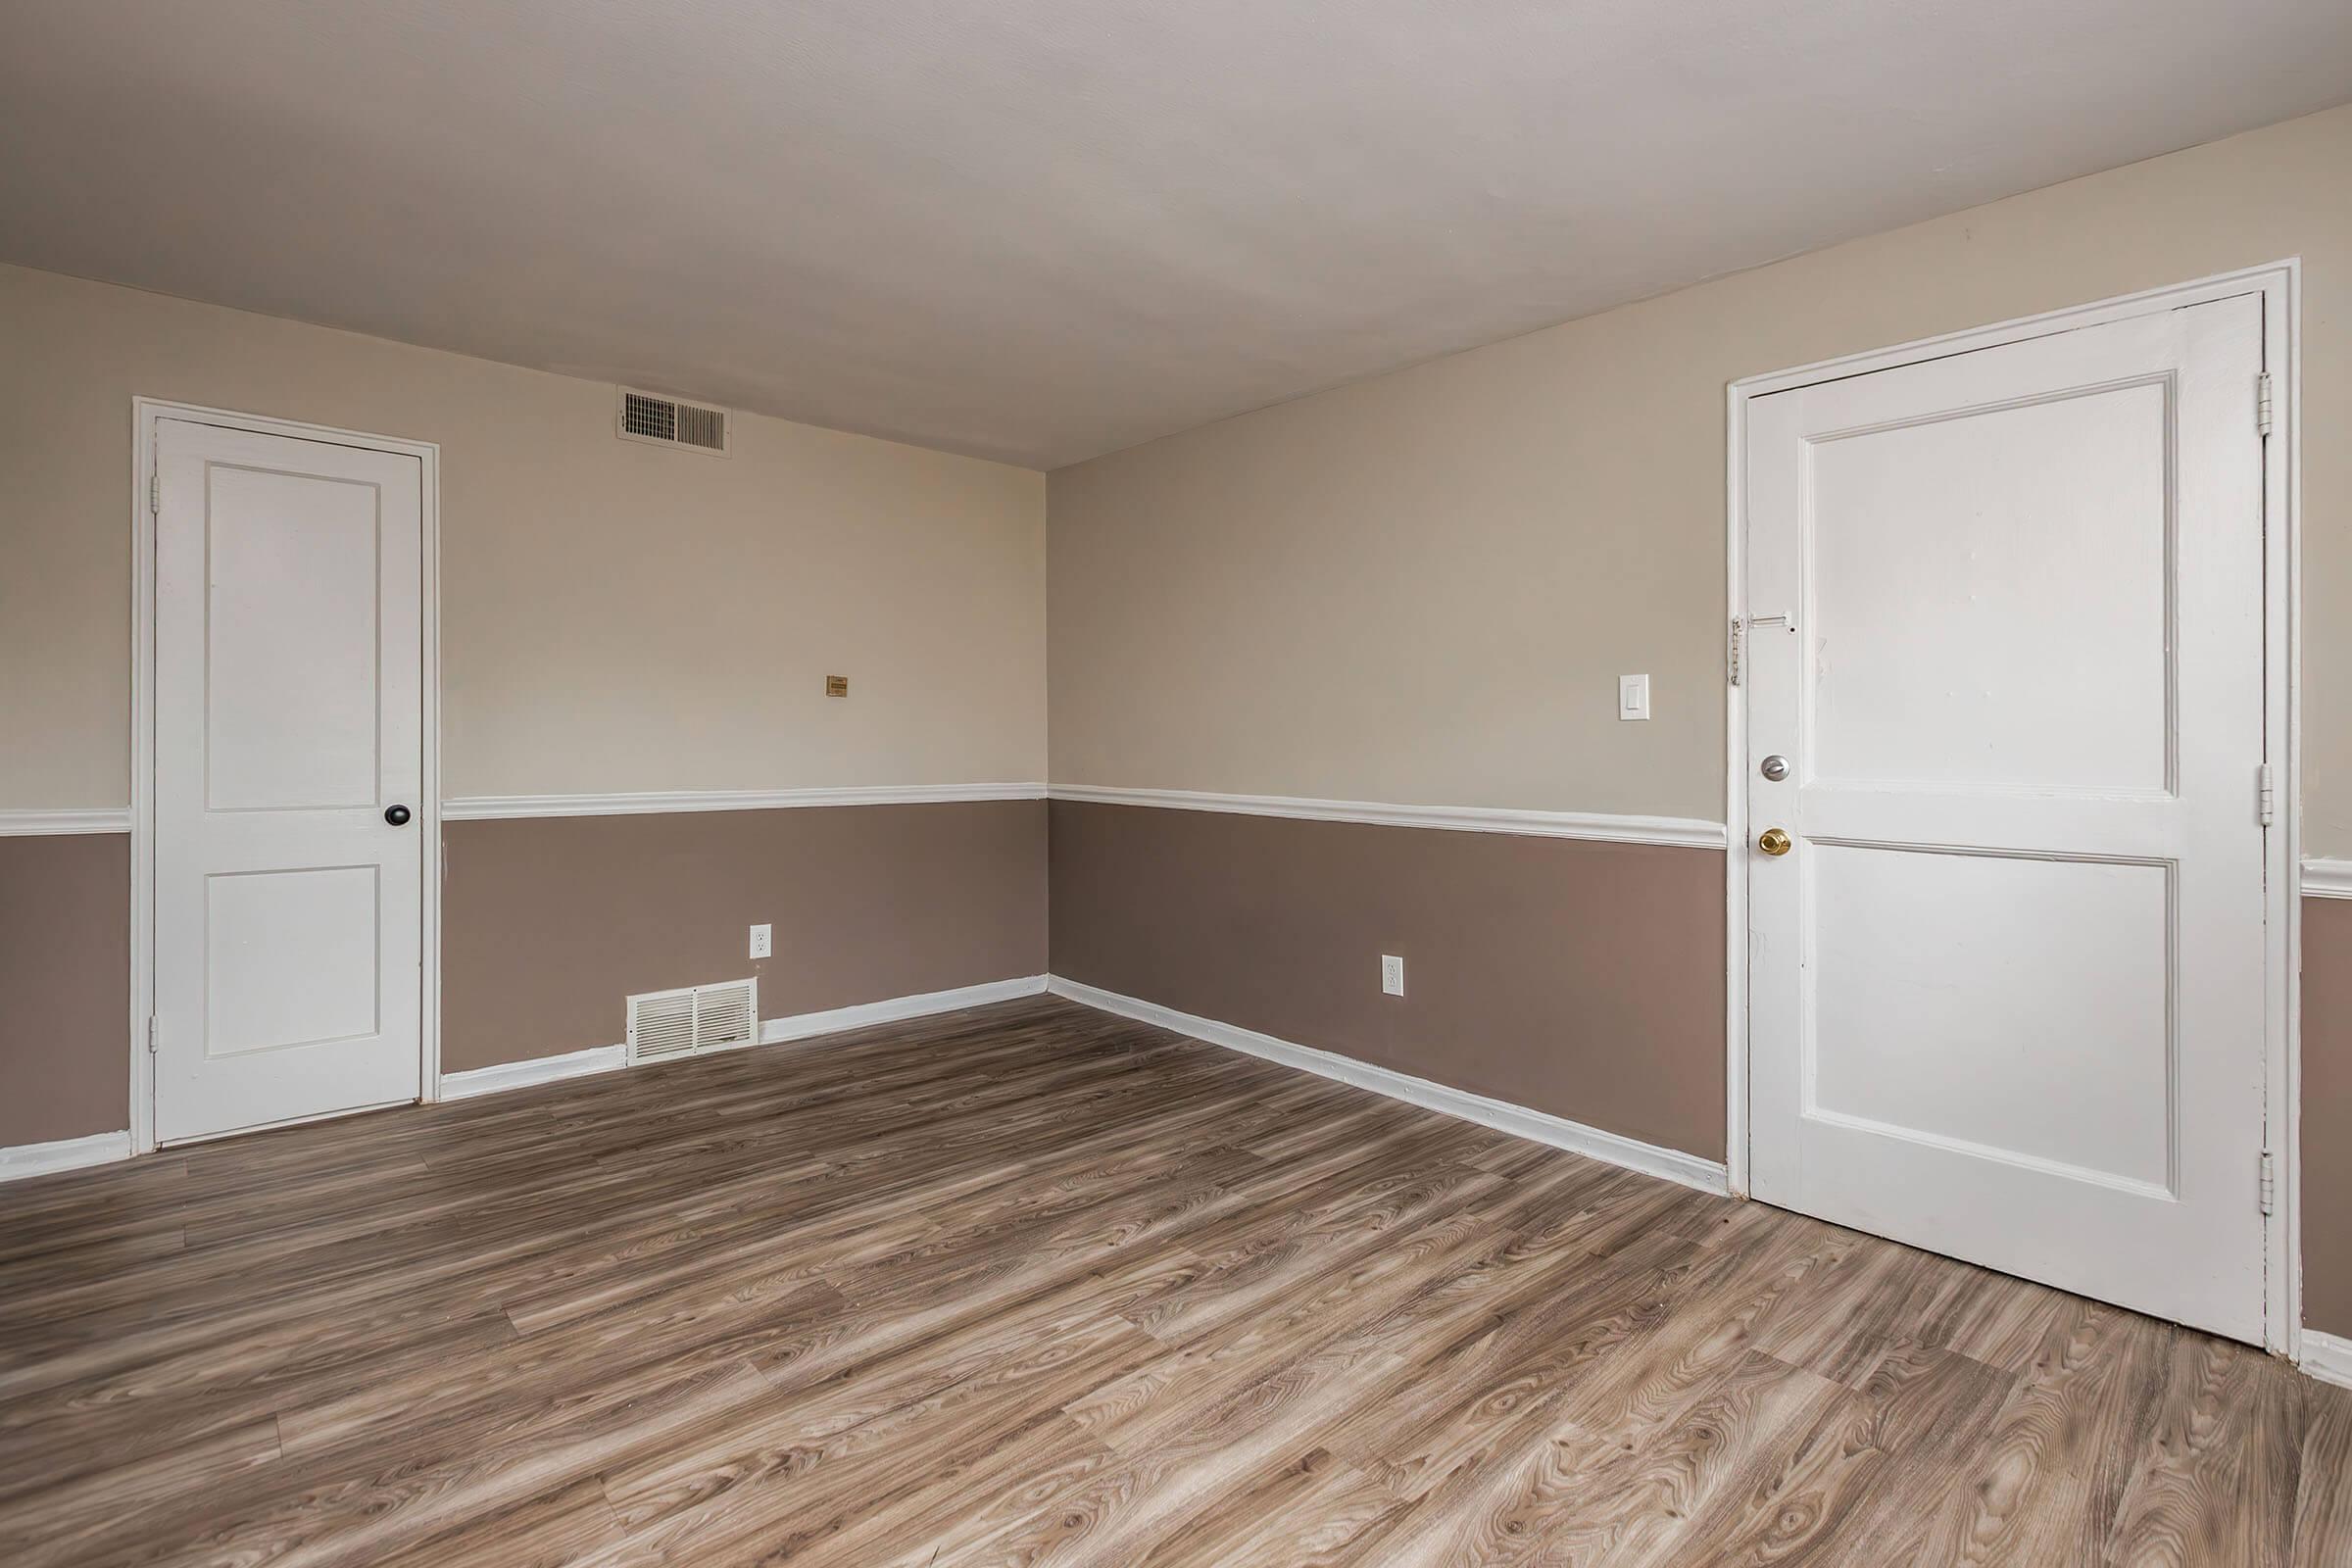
{"points": [[2327, 1358], [1707, 1175], [44, 821], [772, 1031], [1680, 831], [490, 807], [866, 1015], [67, 1154], [535, 1070], [2327, 880]]}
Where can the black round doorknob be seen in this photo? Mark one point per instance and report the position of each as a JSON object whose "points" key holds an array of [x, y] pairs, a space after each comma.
{"points": [[397, 815]]}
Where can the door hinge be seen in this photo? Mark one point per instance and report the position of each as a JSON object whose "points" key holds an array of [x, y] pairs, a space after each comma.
{"points": [[2266, 795], [151, 1034], [2270, 1182], [2262, 404], [1736, 628], [155, 492]]}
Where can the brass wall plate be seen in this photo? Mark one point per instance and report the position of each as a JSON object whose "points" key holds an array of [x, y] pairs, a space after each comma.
{"points": [[837, 685]]}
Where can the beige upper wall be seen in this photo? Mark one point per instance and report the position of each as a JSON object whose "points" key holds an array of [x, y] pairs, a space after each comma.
{"points": [[614, 617], [1422, 588]]}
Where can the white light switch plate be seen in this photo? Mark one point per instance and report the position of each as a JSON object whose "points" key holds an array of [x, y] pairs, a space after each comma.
{"points": [[1633, 696], [763, 942]]}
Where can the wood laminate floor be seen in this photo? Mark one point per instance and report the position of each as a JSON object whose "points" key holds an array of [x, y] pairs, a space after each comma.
{"points": [[1035, 1285]]}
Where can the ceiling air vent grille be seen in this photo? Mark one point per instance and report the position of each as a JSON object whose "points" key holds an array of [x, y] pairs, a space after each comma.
{"points": [[669, 423], [692, 1020]]}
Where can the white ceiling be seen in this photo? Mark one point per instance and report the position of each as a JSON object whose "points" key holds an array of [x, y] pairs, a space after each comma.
{"points": [[1043, 229]]}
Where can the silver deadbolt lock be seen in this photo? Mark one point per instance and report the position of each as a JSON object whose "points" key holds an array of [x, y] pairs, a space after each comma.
{"points": [[1775, 768]]}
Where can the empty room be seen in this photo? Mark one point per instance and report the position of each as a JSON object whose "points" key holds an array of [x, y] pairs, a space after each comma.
{"points": [[1117, 783]]}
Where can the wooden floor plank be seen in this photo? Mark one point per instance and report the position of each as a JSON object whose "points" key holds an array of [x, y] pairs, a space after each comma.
{"points": [[2219, 1477], [2323, 1532], [1035, 1285]]}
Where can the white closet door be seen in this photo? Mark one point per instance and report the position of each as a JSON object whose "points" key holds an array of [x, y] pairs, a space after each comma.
{"points": [[289, 766]]}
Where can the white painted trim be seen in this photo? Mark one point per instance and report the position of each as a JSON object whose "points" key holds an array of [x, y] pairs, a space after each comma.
{"points": [[67, 1154], [507, 1075], [428, 808], [2327, 880], [2281, 285], [1736, 859], [1684, 832], [45, 821], [1520, 1122], [1680, 831], [2282, 716], [499, 807], [142, 771], [2327, 1358], [922, 1004], [773, 1031], [144, 413], [2073, 318]]}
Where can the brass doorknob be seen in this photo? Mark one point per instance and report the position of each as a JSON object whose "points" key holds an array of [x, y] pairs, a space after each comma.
{"points": [[1772, 840]]}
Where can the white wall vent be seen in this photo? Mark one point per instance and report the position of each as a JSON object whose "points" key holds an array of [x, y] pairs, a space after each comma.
{"points": [[669, 423], [692, 1020]]}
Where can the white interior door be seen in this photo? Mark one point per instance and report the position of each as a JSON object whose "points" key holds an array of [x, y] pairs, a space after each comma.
{"points": [[2006, 985], [288, 725]]}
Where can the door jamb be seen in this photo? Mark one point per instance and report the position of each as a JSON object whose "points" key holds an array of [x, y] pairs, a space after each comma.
{"points": [[2281, 285], [144, 414]]}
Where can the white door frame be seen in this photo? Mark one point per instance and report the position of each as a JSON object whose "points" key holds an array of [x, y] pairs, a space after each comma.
{"points": [[2281, 285], [144, 414]]}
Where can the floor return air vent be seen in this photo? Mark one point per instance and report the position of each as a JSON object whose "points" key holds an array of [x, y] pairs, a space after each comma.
{"points": [[694, 1019]]}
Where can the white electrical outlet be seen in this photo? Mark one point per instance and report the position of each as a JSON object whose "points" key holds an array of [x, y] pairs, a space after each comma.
{"points": [[1633, 696], [763, 942], [1391, 974]]}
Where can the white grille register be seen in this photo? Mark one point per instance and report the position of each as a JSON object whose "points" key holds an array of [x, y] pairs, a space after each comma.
{"points": [[672, 423], [693, 1019]]}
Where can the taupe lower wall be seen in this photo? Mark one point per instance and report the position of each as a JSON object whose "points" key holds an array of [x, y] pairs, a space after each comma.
{"points": [[65, 977], [1584, 979], [2327, 1115], [1578, 979], [548, 923]]}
